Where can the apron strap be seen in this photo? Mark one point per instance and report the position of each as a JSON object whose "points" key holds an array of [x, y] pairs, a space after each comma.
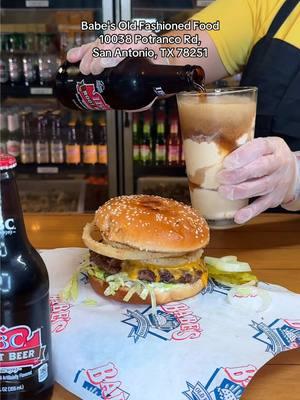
{"points": [[281, 16]]}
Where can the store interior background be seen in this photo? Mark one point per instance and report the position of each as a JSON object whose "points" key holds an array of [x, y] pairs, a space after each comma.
{"points": [[135, 153]]}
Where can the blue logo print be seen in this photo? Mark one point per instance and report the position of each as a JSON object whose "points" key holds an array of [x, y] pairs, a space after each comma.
{"points": [[219, 387], [173, 321], [144, 323], [280, 335]]}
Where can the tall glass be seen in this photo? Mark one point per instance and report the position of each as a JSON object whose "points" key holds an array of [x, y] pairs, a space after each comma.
{"points": [[213, 124]]}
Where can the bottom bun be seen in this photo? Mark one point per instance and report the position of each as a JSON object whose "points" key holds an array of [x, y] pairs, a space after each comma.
{"points": [[162, 296]]}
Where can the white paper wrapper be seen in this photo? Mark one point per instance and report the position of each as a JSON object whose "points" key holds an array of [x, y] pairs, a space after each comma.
{"points": [[198, 349]]}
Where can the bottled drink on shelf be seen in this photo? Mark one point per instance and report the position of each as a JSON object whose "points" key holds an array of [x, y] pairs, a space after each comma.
{"points": [[42, 142], [14, 70], [31, 42], [102, 145], [26, 362], [89, 149], [12, 45], [174, 143], [13, 143], [4, 72], [56, 143], [4, 75], [136, 139], [3, 132], [27, 145], [133, 84], [4, 37], [29, 69], [44, 43], [146, 143], [160, 142], [73, 155], [47, 65]]}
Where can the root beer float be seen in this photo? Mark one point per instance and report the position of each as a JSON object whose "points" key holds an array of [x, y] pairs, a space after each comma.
{"points": [[214, 124]]}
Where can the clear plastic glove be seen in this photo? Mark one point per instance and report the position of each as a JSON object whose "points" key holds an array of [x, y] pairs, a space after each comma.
{"points": [[92, 65], [264, 167]]}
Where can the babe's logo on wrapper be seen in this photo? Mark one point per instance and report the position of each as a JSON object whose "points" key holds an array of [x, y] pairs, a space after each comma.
{"points": [[59, 314], [20, 347], [173, 321], [101, 383], [280, 335], [89, 98], [224, 384]]}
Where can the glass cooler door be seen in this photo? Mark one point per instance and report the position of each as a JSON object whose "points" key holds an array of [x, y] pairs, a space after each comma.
{"points": [[153, 156], [66, 160]]}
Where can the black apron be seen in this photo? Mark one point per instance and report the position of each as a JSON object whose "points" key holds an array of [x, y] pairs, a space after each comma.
{"points": [[274, 67]]}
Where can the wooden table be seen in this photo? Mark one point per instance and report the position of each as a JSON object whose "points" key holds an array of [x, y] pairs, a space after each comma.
{"points": [[270, 243]]}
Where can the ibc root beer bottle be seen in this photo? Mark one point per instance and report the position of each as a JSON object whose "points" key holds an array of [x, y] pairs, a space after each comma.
{"points": [[133, 84], [25, 335]]}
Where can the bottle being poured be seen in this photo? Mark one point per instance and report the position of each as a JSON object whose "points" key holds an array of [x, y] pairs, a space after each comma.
{"points": [[134, 84]]}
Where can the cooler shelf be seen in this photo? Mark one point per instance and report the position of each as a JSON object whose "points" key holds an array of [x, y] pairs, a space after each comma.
{"points": [[54, 169], [25, 91]]}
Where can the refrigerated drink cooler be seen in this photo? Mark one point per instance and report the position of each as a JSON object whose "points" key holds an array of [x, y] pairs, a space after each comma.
{"points": [[92, 156]]}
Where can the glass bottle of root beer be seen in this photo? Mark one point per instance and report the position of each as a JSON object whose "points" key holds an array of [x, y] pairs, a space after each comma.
{"points": [[25, 335], [133, 84]]}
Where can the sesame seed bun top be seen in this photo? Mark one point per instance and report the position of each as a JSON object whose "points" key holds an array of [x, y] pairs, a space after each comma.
{"points": [[152, 223]]}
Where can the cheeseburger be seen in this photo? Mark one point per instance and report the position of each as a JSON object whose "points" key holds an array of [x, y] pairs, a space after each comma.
{"points": [[146, 249]]}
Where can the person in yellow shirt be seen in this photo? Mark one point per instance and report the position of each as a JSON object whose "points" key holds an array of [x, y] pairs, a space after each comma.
{"points": [[261, 39]]}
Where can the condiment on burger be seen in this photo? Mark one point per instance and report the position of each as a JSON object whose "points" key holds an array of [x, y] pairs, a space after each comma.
{"points": [[146, 249]]}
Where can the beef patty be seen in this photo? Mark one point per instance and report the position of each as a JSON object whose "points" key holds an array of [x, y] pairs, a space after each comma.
{"points": [[113, 266]]}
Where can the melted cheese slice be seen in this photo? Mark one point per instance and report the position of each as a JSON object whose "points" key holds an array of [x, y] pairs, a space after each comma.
{"points": [[132, 268]]}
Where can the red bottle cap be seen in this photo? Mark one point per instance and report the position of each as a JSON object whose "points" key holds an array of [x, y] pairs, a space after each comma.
{"points": [[7, 161]]}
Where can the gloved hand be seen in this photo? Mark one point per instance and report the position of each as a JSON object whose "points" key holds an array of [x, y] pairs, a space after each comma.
{"points": [[264, 167], [92, 65]]}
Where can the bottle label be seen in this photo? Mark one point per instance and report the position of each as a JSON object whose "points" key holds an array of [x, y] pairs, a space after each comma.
{"points": [[136, 152], [13, 148], [89, 98], [27, 153], [145, 153], [7, 228], [22, 357], [57, 153], [89, 154], [160, 152], [173, 154], [102, 153], [29, 71], [42, 153], [73, 153], [14, 70]]}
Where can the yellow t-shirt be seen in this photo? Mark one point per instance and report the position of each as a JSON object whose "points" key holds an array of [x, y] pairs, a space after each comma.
{"points": [[242, 24]]}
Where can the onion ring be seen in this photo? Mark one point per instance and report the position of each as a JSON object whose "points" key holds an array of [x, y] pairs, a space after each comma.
{"points": [[119, 253]]}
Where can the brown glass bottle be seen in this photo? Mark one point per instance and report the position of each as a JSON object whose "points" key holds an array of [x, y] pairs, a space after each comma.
{"points": [[25, 346], [133, 84]]}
